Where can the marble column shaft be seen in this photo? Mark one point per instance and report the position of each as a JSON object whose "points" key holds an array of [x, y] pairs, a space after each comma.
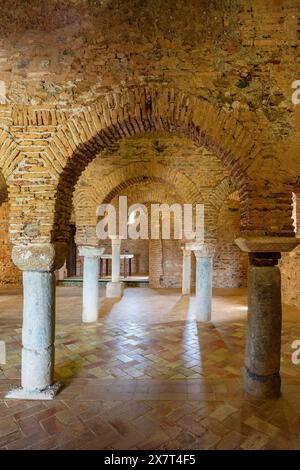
{"points": [[186, 272], [90, 290], [204, 273], [38, 263]]}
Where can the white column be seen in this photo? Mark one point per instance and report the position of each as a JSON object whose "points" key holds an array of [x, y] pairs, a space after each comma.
{"points": [[115, 267], [186, 271], [61, 273], [204, 273], [37, 364], [38, 331], [90, 293], [115, 287]]}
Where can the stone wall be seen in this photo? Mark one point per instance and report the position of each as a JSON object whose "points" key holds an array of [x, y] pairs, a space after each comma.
{"points": [[80, 77]]}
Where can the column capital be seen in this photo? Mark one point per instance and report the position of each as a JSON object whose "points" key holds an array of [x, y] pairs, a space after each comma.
{"points": [[186, 251], [267, 244], [193, 246], [91, 251], [44, 257], [207, 251]]}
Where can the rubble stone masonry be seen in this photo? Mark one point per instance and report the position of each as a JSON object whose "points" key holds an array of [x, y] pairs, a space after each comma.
{"points": [[85, 81]]}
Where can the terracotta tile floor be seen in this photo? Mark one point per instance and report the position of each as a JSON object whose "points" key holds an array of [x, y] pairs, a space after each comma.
{"points": [[147, 376]]}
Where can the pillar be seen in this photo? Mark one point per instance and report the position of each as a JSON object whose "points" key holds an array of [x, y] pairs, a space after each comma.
{"points": [[263, 340], [186, 271], [90, 293], [204, 273], [38, 263], [61, 273], [115, 288]]}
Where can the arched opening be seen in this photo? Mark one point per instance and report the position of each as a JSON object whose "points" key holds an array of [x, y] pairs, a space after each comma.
{"points": [[153, 168], [210, 165], [155, 110]]}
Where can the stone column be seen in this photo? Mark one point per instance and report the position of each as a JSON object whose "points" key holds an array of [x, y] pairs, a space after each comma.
{"points": [[90, 292], [61, 273], [263, 341], [38, 263], [186, 271], [204, 273], [115, 288]]}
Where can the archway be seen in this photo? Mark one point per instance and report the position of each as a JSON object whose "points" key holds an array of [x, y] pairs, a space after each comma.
{"points": [[135, 112]]}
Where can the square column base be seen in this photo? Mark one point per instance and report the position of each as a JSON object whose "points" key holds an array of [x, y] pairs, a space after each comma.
{"points": [[48, 393], [114, 289]]}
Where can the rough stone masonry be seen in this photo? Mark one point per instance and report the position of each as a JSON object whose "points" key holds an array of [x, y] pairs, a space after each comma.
{"points": [[86, 80]]}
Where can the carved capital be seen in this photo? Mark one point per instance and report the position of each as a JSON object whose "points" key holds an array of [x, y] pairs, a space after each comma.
{"points": [[40, 257]]}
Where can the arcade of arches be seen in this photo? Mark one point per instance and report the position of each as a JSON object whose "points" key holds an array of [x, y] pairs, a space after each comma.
{"points": [[120, 344]]}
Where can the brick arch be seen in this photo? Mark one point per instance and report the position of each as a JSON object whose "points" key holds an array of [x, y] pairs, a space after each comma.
{"points": [[230, 261], [9, 154], [133, 111], [88, 198], [125, 185], [3, 189], [152, 196], [218, 194], [215, 199]]}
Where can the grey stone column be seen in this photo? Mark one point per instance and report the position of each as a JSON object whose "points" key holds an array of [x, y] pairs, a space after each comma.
{"points": [[204, 274], [263, 340], [90, 291], [115, 288], [38, 263], [263, 343]]}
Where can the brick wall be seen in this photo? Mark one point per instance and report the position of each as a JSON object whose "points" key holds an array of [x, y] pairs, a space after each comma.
{"points": [[9, 274], [155, 264], [290, 262], [230, 263], [162, 259], [93, 73]]}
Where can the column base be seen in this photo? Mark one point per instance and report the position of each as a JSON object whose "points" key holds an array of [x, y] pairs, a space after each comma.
{"points": [[262, 386], [204, 318], [89, 319], [20, 393], [114, 289], [203, 313]]}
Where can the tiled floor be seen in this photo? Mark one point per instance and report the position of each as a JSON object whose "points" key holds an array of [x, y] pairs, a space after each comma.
{"points": [[147, 376]]}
